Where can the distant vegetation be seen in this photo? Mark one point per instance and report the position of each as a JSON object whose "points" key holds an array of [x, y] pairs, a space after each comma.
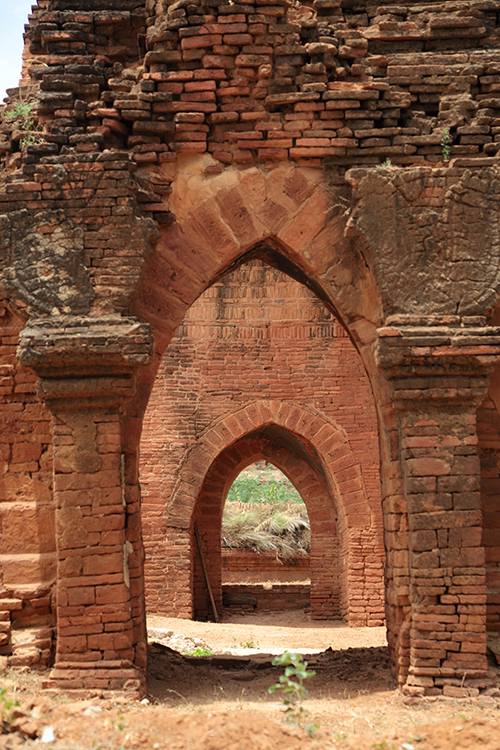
{"points": [[265, 513], [262, 485]]}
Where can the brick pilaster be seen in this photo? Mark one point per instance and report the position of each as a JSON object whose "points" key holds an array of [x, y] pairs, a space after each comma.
{"points": [[439, 370], [101, 639]]}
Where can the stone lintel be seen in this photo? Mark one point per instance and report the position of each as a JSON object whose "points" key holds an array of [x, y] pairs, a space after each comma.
{"points": [[87, 346]]}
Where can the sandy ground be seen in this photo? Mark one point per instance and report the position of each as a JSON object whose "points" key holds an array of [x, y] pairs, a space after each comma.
{"points": [[273, 633], [222, 702]]}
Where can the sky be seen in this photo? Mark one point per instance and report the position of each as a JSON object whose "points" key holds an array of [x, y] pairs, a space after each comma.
{"points": [[13, 16]]}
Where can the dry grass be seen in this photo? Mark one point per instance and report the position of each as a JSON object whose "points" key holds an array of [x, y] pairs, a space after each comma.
{"points": [[267, 527]]}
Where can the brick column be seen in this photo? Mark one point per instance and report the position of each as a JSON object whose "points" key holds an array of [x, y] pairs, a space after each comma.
{"points": [[439, 370], [87, 370]]}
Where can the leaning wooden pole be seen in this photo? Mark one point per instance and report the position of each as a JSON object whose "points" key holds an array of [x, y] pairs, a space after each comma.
{"points": [[198, 540]]}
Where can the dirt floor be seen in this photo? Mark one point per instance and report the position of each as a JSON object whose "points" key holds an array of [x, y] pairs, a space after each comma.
{"points": [[221, 701]]}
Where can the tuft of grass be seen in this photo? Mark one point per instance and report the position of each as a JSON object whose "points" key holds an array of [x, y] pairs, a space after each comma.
{"points": [[7, 707], [23, 115], [269, 527], [265, 513]]}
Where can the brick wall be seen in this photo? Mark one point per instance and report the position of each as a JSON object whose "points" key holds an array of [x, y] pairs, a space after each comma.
{"points": [[244, 598], [331, 85], [239, 565], [27, 536], [489, 450]]}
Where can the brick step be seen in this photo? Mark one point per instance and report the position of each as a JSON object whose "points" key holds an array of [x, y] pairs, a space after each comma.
{"points": [[31, 647]]}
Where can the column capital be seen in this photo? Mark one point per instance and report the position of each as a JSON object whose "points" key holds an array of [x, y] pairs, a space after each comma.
{"points": [[438, 359], [86, 346], [85, 362]]}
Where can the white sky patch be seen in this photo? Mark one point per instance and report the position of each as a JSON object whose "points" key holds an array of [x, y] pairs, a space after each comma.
{"points": [[13, 16]]}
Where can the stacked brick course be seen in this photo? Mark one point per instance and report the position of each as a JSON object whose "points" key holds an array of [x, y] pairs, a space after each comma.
{"points": [[173, 142], [239, 565], [28, 545], [488, 436], [441, 476], [274, 597], [338, 84]]}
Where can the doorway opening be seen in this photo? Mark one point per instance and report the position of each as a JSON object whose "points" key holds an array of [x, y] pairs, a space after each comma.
{"points": [[265, 544], [261, 370]]}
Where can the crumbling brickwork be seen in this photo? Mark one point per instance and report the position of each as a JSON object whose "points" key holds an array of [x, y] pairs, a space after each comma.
{"points": [[174, 142]]}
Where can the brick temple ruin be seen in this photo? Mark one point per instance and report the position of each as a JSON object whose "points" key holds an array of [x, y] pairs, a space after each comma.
{"points": [[169, 149]]}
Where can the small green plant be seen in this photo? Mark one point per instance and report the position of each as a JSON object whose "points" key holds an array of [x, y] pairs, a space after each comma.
{"points": [[339, 736], [292, 684], [250, 643], [386, 164], [199, 651], [446, 141], [22, 113], [118, 725], [311, 729], [7, 707]]}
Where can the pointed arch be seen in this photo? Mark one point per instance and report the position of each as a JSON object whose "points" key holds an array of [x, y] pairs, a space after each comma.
{"points": [[328, 440], [294, 219], [288, 217], [296, 459], [314, 453]]}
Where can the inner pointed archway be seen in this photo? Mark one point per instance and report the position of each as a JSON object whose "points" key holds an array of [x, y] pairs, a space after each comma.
{"points": [[260, 369], [266, 538], [298, 462]]}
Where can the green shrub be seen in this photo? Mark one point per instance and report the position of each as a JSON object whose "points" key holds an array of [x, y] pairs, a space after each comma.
{"points": [[263, 486]]}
